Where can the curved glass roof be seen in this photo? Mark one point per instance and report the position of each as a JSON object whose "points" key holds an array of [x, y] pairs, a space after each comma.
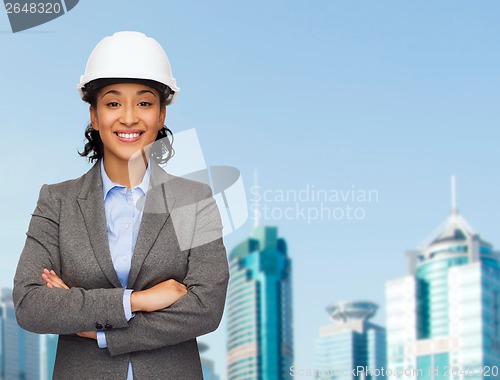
{"points": [[346, 311]]}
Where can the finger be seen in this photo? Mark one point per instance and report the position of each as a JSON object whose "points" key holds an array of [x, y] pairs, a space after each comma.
{"points": [[54, 283], [50, 273], [53, 274], [47, 279], [60, 283], [55, 279], [50, 281]]}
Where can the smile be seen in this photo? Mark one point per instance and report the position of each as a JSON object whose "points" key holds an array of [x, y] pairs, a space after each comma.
{"points": [[128, 137]]}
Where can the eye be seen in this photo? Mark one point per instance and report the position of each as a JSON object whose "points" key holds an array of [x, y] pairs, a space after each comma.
{"points": [[112, 104], [145, 104]]}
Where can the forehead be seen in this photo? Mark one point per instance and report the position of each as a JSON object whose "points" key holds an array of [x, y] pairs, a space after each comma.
{"points": [[127, 89]]}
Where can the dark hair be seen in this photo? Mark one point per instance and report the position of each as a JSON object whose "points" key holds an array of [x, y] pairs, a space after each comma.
{"points": [[94, 148]]}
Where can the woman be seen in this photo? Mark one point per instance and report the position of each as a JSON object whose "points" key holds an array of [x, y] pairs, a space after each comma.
{"points": [[127, 262]]}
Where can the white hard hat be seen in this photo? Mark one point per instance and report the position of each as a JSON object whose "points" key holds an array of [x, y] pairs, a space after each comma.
{"points": [[130, 55]]}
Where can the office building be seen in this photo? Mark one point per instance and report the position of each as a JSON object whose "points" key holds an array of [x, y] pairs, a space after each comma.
{"points": [[260, 342], [443, 318], [351, 347]]}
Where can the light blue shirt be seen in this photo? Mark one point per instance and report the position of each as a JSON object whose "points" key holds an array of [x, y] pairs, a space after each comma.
{"points": [[122, 224]]}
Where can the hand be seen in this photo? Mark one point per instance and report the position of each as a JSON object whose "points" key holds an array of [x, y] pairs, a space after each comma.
{"points": [[88, 334], [53, 280], [158, 297]]}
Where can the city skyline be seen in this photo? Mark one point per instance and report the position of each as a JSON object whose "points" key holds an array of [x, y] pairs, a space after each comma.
{"points": [[392, 97]]}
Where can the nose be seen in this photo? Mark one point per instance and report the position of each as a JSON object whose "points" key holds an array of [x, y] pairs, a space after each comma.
{"points": [[128, 116]]}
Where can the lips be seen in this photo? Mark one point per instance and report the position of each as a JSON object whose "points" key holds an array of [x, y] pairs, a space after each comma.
{"points": [[130, 136]]}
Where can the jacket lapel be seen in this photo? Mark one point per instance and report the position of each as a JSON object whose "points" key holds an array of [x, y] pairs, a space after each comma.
{"points": [[158, 204], [91, 204], [156, 211]]}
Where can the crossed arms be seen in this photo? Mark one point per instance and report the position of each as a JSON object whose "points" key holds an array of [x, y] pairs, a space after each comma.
{"points": [[42, 308]]}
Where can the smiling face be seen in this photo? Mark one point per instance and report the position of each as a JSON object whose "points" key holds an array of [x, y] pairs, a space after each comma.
{"points": [[128, 117]]}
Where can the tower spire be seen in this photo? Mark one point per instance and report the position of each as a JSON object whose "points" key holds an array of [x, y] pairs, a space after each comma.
{"points": [[454, 209]]}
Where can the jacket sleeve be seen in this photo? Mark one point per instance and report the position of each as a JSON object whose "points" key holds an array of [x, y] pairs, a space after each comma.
{"points": [[45, 310], [200, 310]]}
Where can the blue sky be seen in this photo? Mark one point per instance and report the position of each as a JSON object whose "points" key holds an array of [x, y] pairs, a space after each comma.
{"points": [[392, 96]]}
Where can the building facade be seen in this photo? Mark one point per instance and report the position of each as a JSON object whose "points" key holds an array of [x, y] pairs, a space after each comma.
{"points": [[443, 318], [260, 341], [352, 347]]}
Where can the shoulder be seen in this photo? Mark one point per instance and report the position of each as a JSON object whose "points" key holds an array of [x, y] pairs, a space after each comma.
{"points": [[189, 187], [70, 188], [183, 190]]}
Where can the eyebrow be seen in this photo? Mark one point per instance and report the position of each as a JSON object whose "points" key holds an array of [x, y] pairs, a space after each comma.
{"points": [[114, 92], [144, 91]]}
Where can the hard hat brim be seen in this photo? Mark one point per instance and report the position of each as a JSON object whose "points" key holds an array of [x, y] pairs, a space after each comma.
{"points": [[93, 87]]}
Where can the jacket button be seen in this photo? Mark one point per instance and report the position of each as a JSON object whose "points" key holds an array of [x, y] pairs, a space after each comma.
{"points": [[98, 326], [108, 326]]}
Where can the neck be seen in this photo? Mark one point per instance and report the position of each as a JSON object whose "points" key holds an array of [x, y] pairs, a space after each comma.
{"points": [[126, 173]]}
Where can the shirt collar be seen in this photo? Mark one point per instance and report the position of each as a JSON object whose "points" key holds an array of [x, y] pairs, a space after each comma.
{"points": [[107, 184]]}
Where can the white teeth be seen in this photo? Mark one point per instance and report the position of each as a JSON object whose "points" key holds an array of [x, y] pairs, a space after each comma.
{"points": [[128, 135]]}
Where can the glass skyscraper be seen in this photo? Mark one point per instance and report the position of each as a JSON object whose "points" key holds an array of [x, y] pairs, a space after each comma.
{"points": [[352, 347], [260, 342], [443, 318]]}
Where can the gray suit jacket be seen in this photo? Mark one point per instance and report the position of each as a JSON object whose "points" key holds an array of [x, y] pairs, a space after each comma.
{"points": [[179, 238]]}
